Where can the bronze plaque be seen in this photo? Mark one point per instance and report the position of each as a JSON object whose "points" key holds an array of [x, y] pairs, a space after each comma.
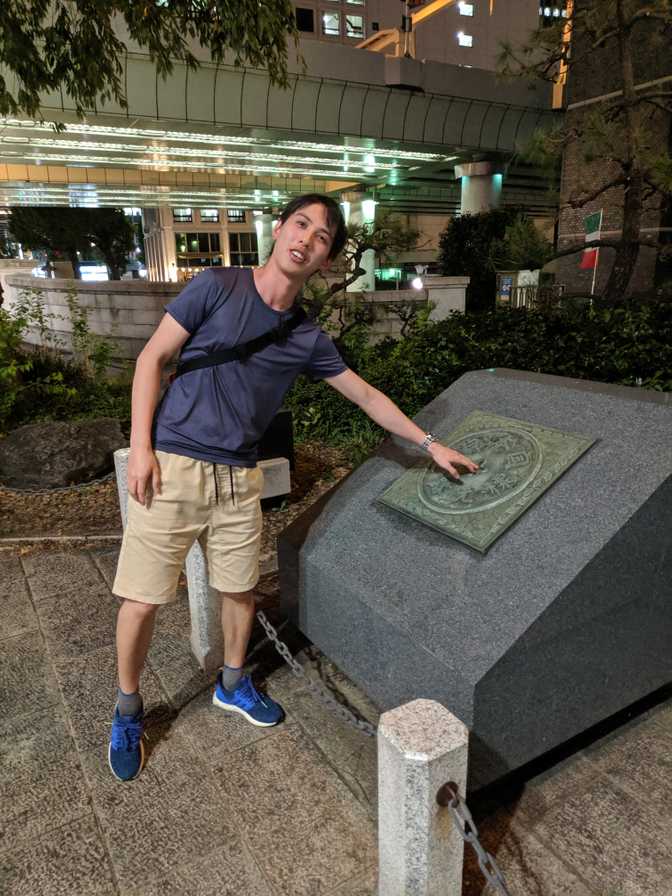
{"points": [[518, 462]]}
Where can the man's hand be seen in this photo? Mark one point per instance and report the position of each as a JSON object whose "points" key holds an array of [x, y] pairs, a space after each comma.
{"points": [[144, 475], [451, 461]]}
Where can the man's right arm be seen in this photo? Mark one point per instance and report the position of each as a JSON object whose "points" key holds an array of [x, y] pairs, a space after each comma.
{"points": [[143, 467]]}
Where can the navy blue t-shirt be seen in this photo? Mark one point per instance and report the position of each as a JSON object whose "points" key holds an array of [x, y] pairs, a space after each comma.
{"points": [[220, 413]]}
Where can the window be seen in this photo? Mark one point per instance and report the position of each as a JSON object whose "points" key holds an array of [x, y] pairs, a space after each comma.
{"points": [[210, 215], [465, 40], [305, 20], [355, 2], [466, 9], [550, 14], [182, 215], [243, 247], [354, 26], [331, 24], [198, 250], [236, 215]]}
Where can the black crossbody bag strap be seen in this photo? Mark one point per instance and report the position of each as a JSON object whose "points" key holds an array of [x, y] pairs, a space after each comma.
{"points": [[245, 350]]}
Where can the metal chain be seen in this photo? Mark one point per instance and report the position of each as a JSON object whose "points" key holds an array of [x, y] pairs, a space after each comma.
{"points": [[82, 486], [323, 695], [449, 797]]}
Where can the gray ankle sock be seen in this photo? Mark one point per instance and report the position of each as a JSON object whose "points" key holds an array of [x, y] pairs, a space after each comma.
{"points": [[129, 704], [231, 677]]}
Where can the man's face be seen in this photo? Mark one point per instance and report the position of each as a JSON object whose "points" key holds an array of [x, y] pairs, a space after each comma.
{"points": [[303, 242]]}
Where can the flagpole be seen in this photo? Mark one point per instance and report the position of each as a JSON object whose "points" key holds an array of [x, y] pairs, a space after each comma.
{"points": [[597, 258]]}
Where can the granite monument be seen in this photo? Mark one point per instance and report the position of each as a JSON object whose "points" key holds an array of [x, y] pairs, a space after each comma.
{"points": [[565, 620]]}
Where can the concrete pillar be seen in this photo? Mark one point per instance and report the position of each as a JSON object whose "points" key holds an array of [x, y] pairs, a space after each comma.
{"points": [[159, 244], [481, 187], [263, 224], [446, 294], [362, 210], [421, 746]]}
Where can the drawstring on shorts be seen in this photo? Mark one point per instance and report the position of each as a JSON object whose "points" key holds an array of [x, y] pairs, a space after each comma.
{"points": [[231, 485]]}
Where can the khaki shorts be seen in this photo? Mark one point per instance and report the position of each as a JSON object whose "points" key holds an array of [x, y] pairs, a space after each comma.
{"points": [[217, 505]]}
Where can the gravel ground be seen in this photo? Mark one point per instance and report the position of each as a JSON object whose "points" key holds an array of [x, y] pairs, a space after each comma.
{"points": [[95, 510]]}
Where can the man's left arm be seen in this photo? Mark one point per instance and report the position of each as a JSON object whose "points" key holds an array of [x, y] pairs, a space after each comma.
{"points": [[385, 413]]}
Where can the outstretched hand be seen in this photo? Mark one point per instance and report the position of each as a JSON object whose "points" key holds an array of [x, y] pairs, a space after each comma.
{"points": [[451, 461]]}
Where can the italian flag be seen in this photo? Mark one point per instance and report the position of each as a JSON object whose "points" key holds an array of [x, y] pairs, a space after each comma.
{"points": [[592, 225]]}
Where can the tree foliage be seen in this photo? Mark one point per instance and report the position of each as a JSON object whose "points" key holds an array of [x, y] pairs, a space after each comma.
{"points": [[65, 232], [78, 46], [622, 132], [522, 248], [628, 345], [386, 237], [466, 249], [345, 314]]}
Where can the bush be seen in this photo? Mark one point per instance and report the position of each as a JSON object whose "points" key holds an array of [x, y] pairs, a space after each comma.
{"points": [[630, 346], [41, 384]]}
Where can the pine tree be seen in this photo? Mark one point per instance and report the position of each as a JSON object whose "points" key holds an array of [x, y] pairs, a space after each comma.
{"points": [[618, 138]]}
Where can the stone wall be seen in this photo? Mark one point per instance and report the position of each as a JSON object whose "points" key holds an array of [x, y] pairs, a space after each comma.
{"points": [[124, 311], [446, 294], [128, 311], [13, 266]]}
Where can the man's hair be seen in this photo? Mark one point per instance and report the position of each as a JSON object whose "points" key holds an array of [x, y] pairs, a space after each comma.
{"points": [[335, 218]]}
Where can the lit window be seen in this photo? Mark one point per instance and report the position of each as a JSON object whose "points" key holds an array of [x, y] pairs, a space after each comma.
{"points": [[354, 26], [465, 40], [466, 9], [564, 13], [305, 20], [355, 2], [556, 13], [210, 215], [547, 10], [331, 24], [182, 215], [236, 215], [243, 248], [198, 250]]}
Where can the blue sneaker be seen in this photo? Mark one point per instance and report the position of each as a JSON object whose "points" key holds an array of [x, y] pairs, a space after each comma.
{"points": [[126, 755], [257, 708]]}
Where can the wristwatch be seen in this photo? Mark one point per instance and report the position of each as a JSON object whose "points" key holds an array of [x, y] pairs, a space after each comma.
{"points": [[427, 441]]}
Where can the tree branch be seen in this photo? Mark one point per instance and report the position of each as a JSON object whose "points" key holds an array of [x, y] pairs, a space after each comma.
{"points": [[655, 188], [649, 14], [598, 244], [580, 201]]}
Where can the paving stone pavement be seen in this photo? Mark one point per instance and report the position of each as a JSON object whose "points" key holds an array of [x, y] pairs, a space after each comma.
{"points": [[225, 808]]}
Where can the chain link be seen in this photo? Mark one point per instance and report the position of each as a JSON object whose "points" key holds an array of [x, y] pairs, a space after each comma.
{"points": [[323, 695], [449, 797], [82, 486]]}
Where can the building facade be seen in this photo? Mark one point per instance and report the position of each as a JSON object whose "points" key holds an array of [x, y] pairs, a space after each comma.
{"points": [[211, 155], [593, 80]]}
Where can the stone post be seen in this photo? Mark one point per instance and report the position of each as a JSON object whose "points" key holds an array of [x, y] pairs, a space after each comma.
{"points": [[204, 603], [447, 294], [421, 746]]}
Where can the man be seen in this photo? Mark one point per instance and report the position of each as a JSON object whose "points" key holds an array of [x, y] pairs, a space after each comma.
{"points": [[192, 468]]}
